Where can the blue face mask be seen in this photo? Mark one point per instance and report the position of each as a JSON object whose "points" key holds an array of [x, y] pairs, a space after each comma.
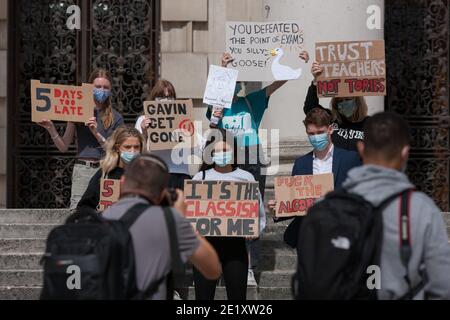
{"points": [[237, 89], [127, 157], [222, 159], [347, 108], [100, 95], [319, 141]]}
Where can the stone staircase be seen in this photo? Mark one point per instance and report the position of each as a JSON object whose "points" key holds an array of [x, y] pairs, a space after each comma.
{"points": [[23, 233], [22, 242]]}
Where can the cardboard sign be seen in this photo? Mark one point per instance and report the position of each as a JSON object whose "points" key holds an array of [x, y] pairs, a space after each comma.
{"points": [[109, 193], [295, 195], [171, 124], [223, 208], [60, 102], [351, 69], [220, 87], [265, 51]]}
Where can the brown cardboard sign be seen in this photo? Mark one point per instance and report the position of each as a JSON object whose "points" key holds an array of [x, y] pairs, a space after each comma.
{"points": [[351, 68], [171, 124], [109, 193], [61, 102], [223, 208], [295, 195]]}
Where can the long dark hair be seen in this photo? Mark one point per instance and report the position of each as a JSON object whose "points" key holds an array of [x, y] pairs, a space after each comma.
{"points": [[218, 135]]}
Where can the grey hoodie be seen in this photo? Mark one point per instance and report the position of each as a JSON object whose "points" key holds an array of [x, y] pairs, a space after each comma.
{"points": [[430, 247]]}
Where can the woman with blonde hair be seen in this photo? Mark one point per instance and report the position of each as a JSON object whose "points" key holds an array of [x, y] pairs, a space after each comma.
{"points": [[121, 148], [91, 136], [348, 114]]}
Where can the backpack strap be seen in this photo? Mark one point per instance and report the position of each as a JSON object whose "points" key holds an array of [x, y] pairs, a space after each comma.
{"points": [[133, 213], [203, 175], [177, 275], [405, 245]]}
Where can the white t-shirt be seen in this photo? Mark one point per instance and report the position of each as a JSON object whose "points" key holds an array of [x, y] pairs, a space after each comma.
{"points": [[236, 175], [181, 156]]}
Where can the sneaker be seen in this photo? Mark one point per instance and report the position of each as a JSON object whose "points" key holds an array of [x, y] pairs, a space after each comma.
{"points": [[251, 281]]}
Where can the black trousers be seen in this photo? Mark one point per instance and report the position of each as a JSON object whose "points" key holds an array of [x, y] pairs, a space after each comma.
{"points": [[234, 259]]}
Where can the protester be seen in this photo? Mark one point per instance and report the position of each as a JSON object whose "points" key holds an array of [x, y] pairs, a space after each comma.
{"points": [[121, 148], [385, 152], [325, 158], [145, 181], [91, 136], [163, 90], [348, 114], [220, 165], [243, 120]]}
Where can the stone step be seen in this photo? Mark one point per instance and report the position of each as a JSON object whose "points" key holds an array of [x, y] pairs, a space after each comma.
{"points": [[20, 293], [278, 262], [274, 278], [26, 278], [253, 293], [20, 261], [33, 278], [15, 231], [22, 245], [275, 259], [33, 215]]}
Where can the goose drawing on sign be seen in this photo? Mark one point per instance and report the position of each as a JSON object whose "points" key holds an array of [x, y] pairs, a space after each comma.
{"points": [[281, 72]]}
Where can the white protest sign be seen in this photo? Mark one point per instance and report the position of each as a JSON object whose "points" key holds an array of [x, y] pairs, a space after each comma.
{"points": [[220, 86], [265, 51]]}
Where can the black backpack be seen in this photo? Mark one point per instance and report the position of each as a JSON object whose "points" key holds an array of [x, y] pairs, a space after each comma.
{"points": [[102, 251], [340, 237]]}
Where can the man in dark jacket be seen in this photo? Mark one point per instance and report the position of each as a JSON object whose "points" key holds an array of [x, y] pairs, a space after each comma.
{"points": [[325, 158]]}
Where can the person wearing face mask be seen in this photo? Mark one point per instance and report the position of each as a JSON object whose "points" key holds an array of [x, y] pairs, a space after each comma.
{"points": [[325, 158], [220, 165], [161, 91], [348, 114], [90, 137], [121, 148], [385, 150], [243, 119]]}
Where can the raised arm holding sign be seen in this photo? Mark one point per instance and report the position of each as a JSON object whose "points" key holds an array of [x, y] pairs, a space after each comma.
{"points": [[61, 102]]}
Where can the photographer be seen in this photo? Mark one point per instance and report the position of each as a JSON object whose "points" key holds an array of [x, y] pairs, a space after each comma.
{"points": [[145, 181]]}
